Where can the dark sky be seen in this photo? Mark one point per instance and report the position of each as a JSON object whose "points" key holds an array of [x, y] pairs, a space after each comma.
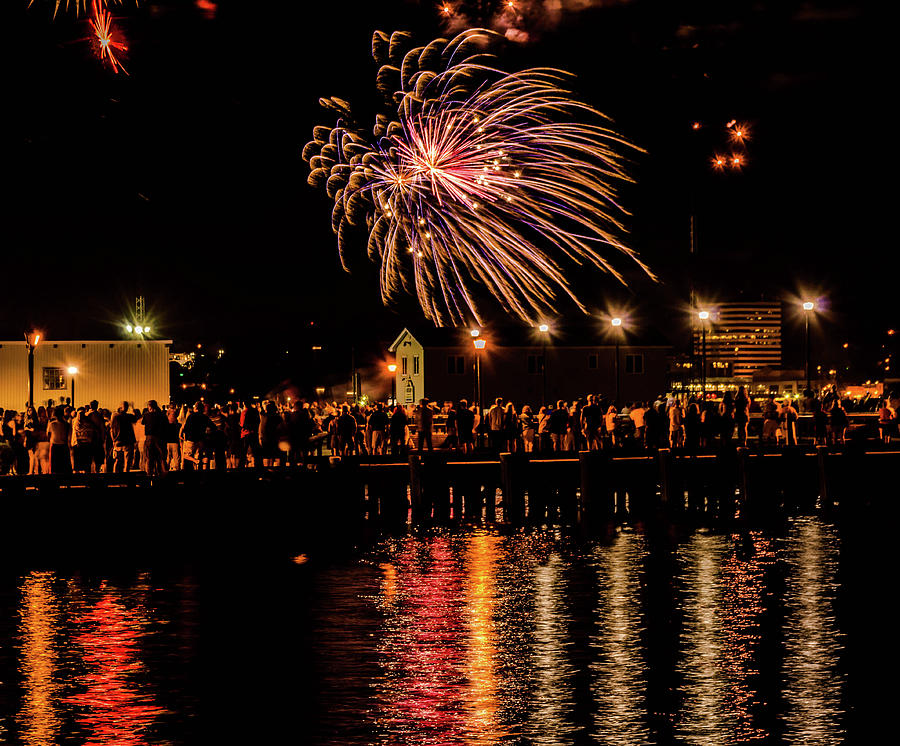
{"points": [[183, 181]]}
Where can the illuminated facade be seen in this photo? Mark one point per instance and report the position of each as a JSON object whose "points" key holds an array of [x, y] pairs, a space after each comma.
{"points": [[741, 338], [109, 371]]}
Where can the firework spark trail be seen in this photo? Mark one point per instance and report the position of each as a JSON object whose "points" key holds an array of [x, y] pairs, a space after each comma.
{"points": [[108, 44], [476, 177]]}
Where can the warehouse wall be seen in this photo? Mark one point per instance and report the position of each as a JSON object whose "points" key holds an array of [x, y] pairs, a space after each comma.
{"points": [[110, 372]]}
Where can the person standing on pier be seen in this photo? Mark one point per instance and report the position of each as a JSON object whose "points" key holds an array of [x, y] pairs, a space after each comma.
{"points": [[742, 415], [98, 444], [495, 424], [376, 430], [637, 415], [249, 424], [424, 415], [465, 427], [591, 424], [59, 434], [398, 424], [121, 430], [155, 426], [193, 434]]}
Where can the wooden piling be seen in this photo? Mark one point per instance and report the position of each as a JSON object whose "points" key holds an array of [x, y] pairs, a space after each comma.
{"points": [[512, 468], [666, 476], [596, 499]]}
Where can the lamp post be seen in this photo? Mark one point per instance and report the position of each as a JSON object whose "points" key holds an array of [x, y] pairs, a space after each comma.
{"points": [[31, 341], [808, 308], [392, 367], [616, 324], [544, 329], [73, 371], [704, 318], [479, 346]]}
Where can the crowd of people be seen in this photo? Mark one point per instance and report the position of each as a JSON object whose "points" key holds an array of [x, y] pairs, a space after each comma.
{"points": [[66, 439]]}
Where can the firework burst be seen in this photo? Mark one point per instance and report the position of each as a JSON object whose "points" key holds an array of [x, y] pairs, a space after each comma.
{"points": [[474, 178], [109, 45]]}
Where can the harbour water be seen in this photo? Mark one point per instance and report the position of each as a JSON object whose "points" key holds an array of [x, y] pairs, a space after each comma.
{"points": [[658, 634]]}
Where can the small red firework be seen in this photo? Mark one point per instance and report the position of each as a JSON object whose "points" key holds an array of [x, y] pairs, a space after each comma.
{"points": [[107, 37]]}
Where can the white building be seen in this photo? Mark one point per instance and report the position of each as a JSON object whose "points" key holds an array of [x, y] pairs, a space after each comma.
{"points": [[109, 371]]}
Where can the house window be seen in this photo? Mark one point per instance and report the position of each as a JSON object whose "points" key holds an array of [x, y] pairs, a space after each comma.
{"points": [[634, 364], [535, 365], [415, 365], [54, 379], [593, 362], [456, 365], [403, 365]]}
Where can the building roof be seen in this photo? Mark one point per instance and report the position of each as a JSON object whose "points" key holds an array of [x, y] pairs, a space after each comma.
{"points": [[51, 342], [522, 336]]}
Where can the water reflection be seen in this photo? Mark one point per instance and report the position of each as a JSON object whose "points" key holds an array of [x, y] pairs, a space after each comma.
{"points": [[812, 640], [112, 707], [39, 721], [723, 584], [82, 662], [553, 697], [481, 652], [422, 653], [619, 671]]}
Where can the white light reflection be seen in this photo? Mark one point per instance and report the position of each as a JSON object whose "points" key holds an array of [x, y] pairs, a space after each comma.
{"points": [[619, 673], [704, 688], [553, 699], [812, 640]]}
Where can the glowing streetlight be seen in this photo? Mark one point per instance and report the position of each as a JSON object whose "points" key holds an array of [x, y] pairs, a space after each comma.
{"points": [[31, 341], [544, 329], [616, 323], [392, 367], [704, 318], [475, 332], [73, 371], [479, 346], [808, 307]]}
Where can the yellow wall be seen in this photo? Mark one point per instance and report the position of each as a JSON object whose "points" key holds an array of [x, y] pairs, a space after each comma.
{"points": [[110, 372]]}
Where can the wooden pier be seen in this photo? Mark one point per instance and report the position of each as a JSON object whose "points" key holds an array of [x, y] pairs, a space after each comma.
{"points": [[443, 487]]}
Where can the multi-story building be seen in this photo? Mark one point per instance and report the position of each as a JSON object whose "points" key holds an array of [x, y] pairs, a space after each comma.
{"points": [[525, 366], [741, 338]]}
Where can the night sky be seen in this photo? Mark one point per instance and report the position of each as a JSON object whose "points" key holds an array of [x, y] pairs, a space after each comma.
{"points": [[183, 181]]}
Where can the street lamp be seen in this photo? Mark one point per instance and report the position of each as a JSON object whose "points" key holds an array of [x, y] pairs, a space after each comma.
{"points": [[544, 329], [704, 318], [808, 307], [31, 341], [616, 324], [479, 346], [392, 367], [73, 371]]}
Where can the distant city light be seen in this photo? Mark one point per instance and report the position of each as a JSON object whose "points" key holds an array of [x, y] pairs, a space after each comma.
{"points": [[808, 305], [479, 344], [704, 315], [128, 328], [617, 321], [544, 328], [475, 332]]}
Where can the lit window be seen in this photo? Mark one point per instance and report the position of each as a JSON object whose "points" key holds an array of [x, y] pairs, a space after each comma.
{"points": [[54, 379]]}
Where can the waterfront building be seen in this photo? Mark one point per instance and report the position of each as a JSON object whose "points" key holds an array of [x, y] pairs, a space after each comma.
{"points": [[110, 371], [741, 338], [525, 365]]}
